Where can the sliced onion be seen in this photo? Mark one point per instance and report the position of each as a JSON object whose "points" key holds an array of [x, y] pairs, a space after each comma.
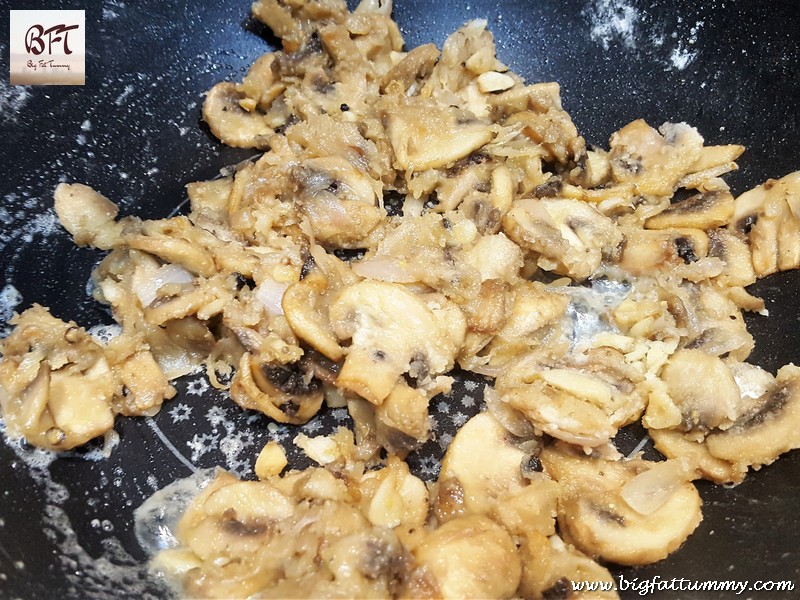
{"points": [[146, 283], [649, 490], [270, 294], [383, 268], [511, 419]]}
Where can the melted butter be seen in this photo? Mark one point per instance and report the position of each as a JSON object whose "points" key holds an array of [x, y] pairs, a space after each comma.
{"points": [[589, 308], [156, 520]]}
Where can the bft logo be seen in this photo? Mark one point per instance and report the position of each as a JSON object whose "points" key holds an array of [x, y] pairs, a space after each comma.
{"points": [[34, 38], [48, 47]]}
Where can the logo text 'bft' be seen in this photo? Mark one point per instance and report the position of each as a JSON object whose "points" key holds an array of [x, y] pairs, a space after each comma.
{"points": [[48, 47]]}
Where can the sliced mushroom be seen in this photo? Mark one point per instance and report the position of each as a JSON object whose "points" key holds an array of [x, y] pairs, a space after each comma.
{"points": [[596, 518], [146, 386], [450, 554], [425, 135], [339, 200], [549, 568], [87, 215], [305, 303], [570, 236], [701, 211], [553, 129], [703, 389], [770, 217], [485, 463], [174, 241], [770, 429], [731, 248], [415, 65], [381, 319], [230, 122], [654, 161], [282, 392]]}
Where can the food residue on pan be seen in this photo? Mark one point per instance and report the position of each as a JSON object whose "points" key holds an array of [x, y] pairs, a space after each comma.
{"points": [[413, 211]]}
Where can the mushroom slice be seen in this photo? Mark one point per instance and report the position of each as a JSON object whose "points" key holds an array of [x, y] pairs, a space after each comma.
{"points": [[383, 321], [305, 303], [417, 64], [174, 240], [230, 122], [668, 252], [146, 386], [570, 236], [549, 568], [594, 515], [484, 462], [470, 557], [701, 211], [87, 215], [676, 444], [582, 401], [731, 248], [553, 129], [425, 135], [282, 392], [339, 200], [771, 428], [654, 161], [703, 389], [770, 217], [56, 386]]}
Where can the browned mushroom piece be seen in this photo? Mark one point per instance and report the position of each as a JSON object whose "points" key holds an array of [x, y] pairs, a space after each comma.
{"points": [[285, 393], [56, 386], [768, 216], [380, 319], [87, 215], [629, 512], [570, 237], [231, 122]]}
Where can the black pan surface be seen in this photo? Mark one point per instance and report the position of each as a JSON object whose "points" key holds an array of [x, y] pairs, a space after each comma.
{"points": [[133, 132]]}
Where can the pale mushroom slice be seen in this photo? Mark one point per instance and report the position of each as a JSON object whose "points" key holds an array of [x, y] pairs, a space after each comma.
{"points": [[551, 568], [87, 215], [306, 302], [769, 215], [469, 557], [382, 321], [701, 211], [702, 394], [631, 512], [56, 386], [340, 201], [176, 241], [426, 135], [482, 464], [771, 428], [570, 237], [654, 161], [582, 400], [231, 122]]}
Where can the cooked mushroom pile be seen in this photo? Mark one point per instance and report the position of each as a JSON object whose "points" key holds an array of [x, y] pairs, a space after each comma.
{"points": [[414, 211]]}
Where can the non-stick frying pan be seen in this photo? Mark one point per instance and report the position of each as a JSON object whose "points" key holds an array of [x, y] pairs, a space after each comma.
{"points": [[133, 132]]}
